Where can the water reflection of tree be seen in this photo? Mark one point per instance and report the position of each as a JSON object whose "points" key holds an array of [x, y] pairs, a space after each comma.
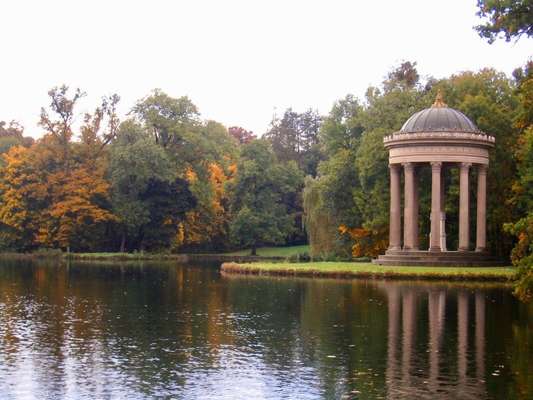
{"points": [[163, 329]]}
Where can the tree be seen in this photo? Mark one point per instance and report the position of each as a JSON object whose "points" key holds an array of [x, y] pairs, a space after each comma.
{"points": [[242, 135], [294, 137], [490, 100], [319, 221], [12, 134], [168, 119], [355, 178], [507, 18], [54, 193], [404, 77], [146, 193], [208, 223], [193, 147], [522, 198], [259, 213]]}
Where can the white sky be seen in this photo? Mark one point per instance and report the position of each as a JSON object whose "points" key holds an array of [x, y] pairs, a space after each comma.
{"points": [[238, 61]]}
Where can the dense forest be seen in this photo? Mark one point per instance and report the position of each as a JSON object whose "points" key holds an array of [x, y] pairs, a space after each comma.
{"points": [[166, 180]]}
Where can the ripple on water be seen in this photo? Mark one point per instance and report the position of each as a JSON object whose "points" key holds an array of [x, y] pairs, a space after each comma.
{"points": [[188, 333]]}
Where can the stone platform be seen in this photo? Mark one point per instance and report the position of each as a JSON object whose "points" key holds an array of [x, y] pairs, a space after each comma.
{"points": [[438, 258]]}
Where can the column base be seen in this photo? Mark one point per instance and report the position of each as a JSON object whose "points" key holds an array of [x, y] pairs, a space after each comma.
{"points": [[463, 249], [394, 248], [414, 248], [435, 249], [481, 249]]}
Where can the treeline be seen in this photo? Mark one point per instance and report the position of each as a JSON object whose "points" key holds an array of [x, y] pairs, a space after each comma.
{"points": [[162, 180], [347, 204], [165, 179]]}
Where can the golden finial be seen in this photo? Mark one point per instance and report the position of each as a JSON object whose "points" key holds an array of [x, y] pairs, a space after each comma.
{"points": [[439, 102]]}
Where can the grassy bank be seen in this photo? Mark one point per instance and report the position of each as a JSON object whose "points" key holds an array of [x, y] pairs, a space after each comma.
{"points": [[368, 270], [286, 251], [263, 252]]}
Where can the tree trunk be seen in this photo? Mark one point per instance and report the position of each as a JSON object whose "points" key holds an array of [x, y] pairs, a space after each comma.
{"points": [[254, 250], [123, 243]]}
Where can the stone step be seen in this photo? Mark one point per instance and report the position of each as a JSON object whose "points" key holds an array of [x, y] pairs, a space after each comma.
{"points": [[439, 263], [439, 253], [437, 258]]}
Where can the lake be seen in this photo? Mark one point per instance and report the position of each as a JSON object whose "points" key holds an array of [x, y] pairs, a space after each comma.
{"points": [[134, 331]]}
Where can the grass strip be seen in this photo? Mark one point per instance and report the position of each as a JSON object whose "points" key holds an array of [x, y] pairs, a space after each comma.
{"points": [[286, 251], [368, 270]]}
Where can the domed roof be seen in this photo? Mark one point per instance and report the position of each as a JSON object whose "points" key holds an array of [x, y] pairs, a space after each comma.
{"points": [[439, 118]]}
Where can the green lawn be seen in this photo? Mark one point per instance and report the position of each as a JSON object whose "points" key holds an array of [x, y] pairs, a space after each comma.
{"points": [[273, 251], [347, 269]]}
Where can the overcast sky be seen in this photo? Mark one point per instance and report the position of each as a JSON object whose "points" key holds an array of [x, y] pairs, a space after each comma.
{"points": [[238, 61]]}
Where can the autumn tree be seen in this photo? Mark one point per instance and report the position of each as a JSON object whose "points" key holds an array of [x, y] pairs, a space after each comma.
{"points": [[201, 153], [505, 18], [241, 135], [54, 193], [522, 187]]}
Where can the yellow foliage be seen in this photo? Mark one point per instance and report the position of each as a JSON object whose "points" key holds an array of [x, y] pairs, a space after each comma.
{"points": [[49, 204], [210, 217], [367, 243]]}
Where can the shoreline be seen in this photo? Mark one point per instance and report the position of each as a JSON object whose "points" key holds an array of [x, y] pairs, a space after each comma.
{"points": [[119, 257], [347, 270]]}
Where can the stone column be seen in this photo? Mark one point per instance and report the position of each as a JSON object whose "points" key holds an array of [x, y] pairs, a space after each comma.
{"points": [[481, 225], [464, 217], [409, 203], [434, 240], [395, 209], [416, 210], [443, 208]]}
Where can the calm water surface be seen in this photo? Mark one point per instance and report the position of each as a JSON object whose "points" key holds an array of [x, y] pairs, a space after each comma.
{"points": [[188, 332]]}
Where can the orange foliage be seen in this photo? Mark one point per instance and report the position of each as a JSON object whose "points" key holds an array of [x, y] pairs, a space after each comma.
{"points": [[367, 243], [72, 206], [45, 204], [210, 218]]}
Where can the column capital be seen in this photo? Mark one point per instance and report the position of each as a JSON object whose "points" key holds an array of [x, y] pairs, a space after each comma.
{"points": [[394, 166], [408, 166], [465, 165], [436, 165], [482, 169]]}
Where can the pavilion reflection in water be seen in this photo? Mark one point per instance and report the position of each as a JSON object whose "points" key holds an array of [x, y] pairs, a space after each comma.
{"points": [[407, 376]]}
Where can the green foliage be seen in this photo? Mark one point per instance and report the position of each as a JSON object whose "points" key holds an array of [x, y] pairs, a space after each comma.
{"points": [[320, 222], [294, 137], [507, 18], [522, 188], [169, 120], [145, 189], [11, 135], [260, 214], [354, 178]]}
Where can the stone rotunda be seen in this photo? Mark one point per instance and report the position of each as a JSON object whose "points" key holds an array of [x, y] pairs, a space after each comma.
{"points": [[443, 138]]}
